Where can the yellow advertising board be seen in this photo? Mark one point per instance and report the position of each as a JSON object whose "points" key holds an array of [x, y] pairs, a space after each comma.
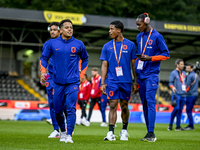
{"points": [[182, 27], [77, 19]]}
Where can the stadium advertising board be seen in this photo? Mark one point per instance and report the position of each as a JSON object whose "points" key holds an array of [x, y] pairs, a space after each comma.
{"points": [[77, 19]]}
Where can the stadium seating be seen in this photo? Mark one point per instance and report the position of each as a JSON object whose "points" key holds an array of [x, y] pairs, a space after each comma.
{"points": [[10, 89]]}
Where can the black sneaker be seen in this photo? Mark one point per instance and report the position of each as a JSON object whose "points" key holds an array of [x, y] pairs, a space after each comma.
{"points": [[147, 135], [150, 137], [188, 128], [179, 129], [169, 128]]}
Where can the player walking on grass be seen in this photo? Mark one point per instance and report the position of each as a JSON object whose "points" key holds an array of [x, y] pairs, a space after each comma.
{"points": [[152, 49], [118, 55], [66, 52], [54, 31], [177, 83]]}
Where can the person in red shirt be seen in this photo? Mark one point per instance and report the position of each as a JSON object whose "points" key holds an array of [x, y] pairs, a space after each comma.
{"points": [[95, 93], [83, 97]]}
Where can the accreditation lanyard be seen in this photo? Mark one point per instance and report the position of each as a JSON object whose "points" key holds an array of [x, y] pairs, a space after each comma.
{"points": [[182, 80], [82, 85], [181, 76], [146, 42], [118, 60]]}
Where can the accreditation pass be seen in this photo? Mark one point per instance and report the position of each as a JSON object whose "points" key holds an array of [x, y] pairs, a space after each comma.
{"points": [[119, 71], [140, 65]]}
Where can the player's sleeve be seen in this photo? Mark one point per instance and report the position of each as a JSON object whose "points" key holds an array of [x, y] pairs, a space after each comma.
{"points": [[80, 62], [188, 82], [162, 46], [78, 93], [103, 54], [171, 80], [84, 58], [46, 54], [88, 91], [138, 45], [100, 82], [44, 46], [133, 51]]}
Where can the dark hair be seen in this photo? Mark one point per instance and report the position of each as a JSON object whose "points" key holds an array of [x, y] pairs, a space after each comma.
{"points": [[54, 23], [191, 65], [142, 16], [118, 24], [177, 62], [63, 21], [86, 76], [94, 69]]}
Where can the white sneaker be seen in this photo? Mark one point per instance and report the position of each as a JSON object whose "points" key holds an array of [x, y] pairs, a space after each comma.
{"points": [[86, 123], [62, 136], [124, 135], [78, 122], [54, 134], [49, 121], [110, 137], [69, 139], [103, 124]]}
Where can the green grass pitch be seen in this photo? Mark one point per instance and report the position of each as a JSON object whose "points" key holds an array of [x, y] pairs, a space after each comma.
{"points": [[33, 135]]}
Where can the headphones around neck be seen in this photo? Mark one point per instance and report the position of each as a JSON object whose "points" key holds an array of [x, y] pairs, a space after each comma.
{"points": [[146, 19], [49, 29]]}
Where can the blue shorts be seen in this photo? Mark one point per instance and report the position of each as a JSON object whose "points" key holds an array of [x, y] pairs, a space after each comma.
{"points": [[119, 91]]}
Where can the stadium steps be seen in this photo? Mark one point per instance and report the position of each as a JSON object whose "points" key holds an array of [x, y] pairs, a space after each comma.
{"points": [[162, 101], [30, 90], [166, 89]]}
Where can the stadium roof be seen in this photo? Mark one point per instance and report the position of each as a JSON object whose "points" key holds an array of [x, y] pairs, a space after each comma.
{"points": [[27, 28]]}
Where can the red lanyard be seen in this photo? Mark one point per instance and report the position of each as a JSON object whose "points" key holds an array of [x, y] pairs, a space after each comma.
{"points": [[118, 60], [181, 76], [82, 85], [146, 42]]}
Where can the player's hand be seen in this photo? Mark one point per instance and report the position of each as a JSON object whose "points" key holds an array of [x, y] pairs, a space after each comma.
{"points": [[145, 58], [103, 89], [42, 78], [174, 89], [135, 89], [174, 104]]}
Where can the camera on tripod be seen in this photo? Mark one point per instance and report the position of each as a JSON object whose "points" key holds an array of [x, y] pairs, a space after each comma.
{"points": [[196, 67]]}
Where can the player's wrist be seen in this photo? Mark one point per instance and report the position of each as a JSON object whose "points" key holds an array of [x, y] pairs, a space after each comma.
{"points": [[103, 84], [42, 74]]}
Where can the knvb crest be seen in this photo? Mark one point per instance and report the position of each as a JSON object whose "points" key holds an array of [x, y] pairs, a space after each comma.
{"points": [[49, 16]]}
